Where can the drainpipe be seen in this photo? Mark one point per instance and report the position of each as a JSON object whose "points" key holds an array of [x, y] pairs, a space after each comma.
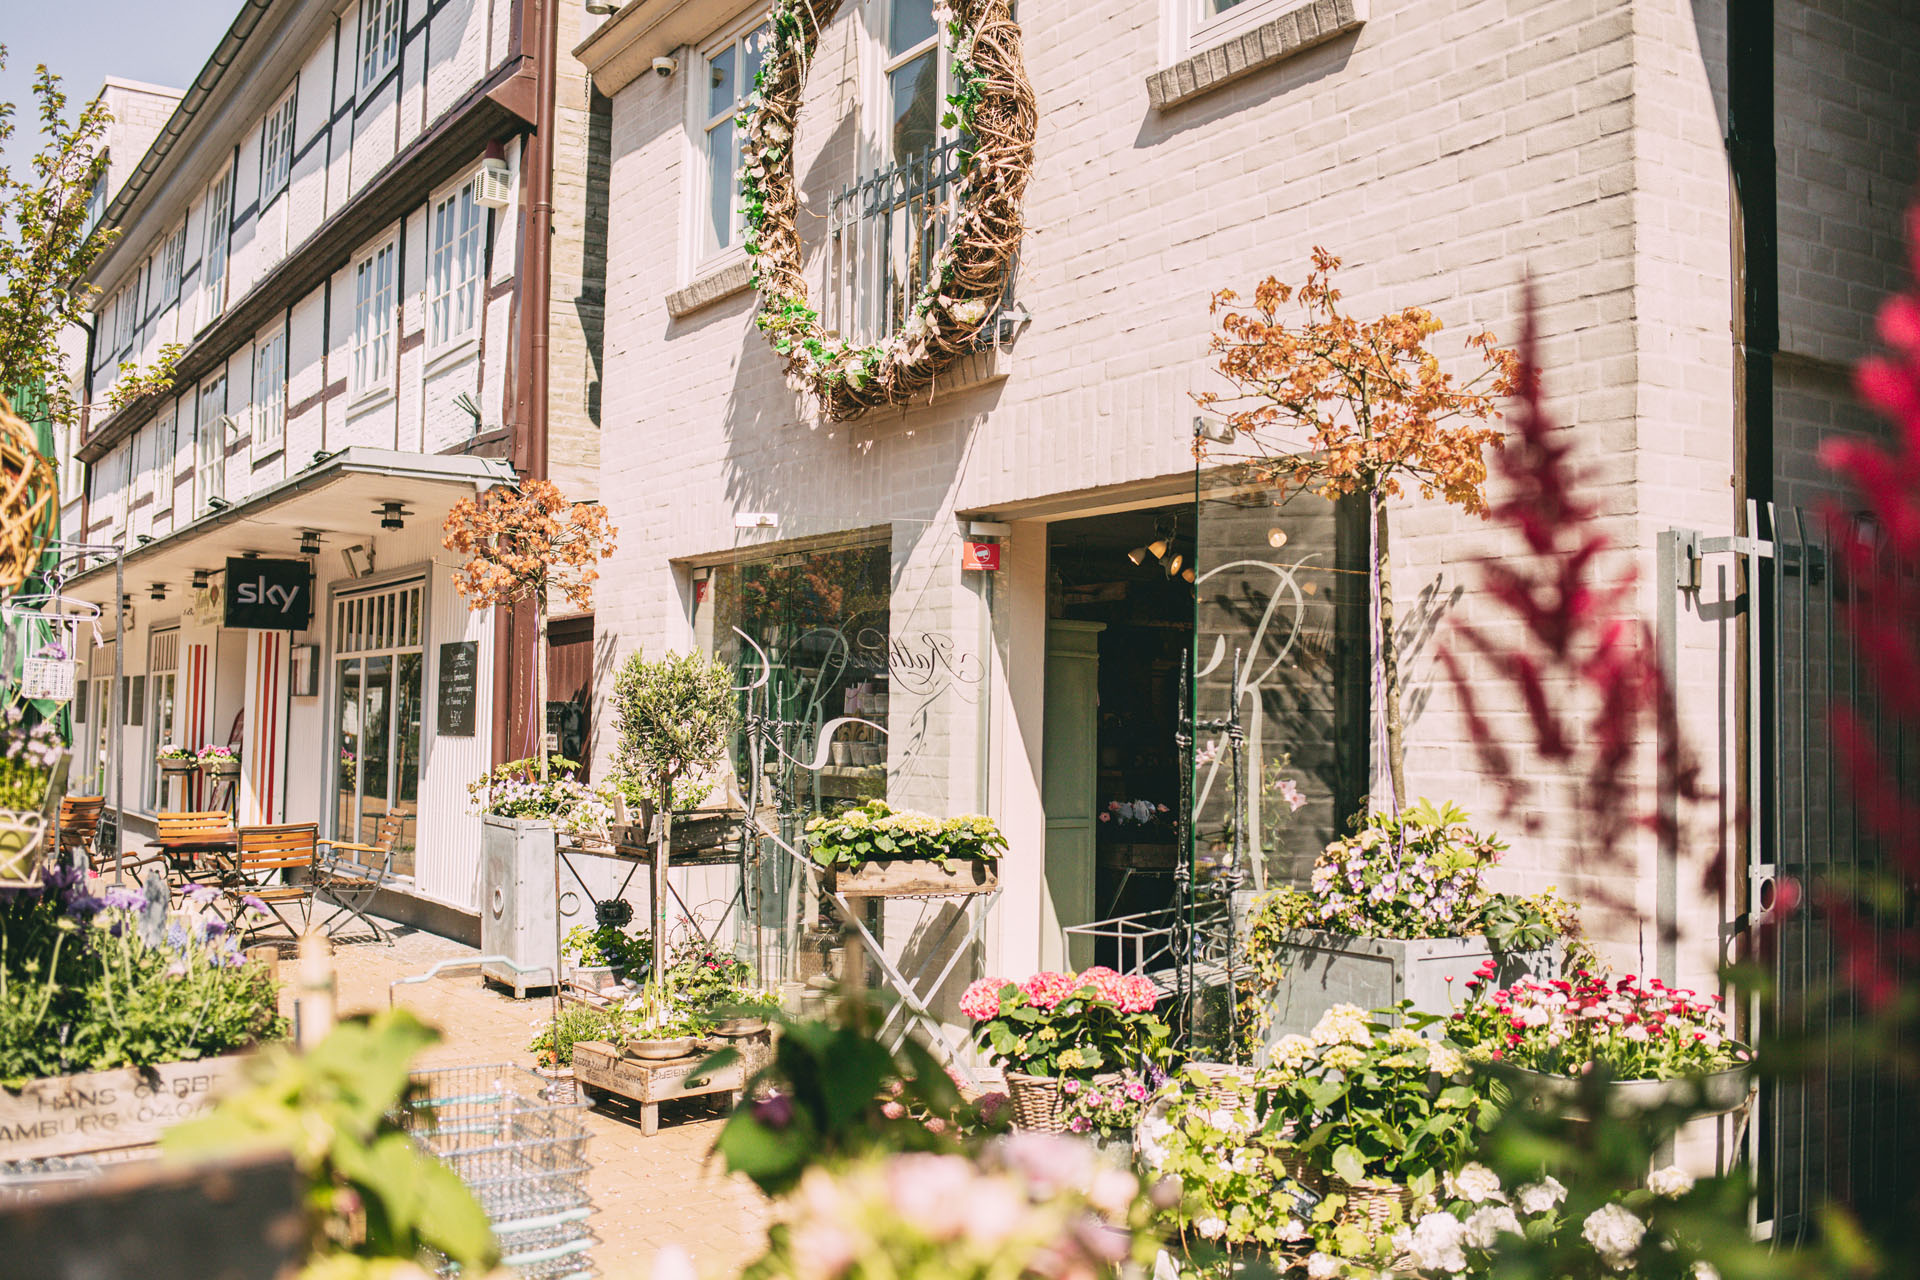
{"points": [[517, 730]]}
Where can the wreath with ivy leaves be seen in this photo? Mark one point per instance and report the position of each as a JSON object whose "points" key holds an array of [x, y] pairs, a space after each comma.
{"points": [[992, 106]]}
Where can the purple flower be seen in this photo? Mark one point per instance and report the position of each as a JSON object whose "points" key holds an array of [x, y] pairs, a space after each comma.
{"points": [[201, 895], [774, 1111]]}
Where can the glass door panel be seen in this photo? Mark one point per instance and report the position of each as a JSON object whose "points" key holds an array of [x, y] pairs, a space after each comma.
{"points": [[406, 752], [376, 780], [346, 815]]}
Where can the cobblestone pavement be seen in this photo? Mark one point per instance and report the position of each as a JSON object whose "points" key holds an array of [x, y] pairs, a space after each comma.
{"points": [[649, 1192]]}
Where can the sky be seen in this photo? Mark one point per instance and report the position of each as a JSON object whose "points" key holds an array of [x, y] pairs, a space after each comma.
{"points": [[85, 42]]}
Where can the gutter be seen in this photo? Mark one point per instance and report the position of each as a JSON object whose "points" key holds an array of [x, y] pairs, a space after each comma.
{"points": [[225, 54]]}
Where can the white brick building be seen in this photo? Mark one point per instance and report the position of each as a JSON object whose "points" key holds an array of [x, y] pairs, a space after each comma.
{"points": [[333, 224]]}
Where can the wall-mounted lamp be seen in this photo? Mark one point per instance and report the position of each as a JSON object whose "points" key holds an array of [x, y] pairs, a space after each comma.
{"points": [[310, 543], [217, 504], [1218, 432], [391, 514]]}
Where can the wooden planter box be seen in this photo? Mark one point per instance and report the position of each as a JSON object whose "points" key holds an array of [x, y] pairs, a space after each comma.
{"points": [[179, 767], [109, 1110], [914, 878], [598, 1067], [221, 768]]}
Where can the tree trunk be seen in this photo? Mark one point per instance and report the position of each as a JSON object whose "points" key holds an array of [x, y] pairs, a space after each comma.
{"points": [[662, 847], [1389, 654]]}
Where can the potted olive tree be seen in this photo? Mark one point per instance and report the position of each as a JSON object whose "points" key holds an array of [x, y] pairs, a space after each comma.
{"points": [[672, 718]]}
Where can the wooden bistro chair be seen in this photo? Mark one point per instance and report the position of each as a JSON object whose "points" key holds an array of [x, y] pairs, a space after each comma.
{"points": [[349, 876], [196, 842], [263, 859], [80, 828]]}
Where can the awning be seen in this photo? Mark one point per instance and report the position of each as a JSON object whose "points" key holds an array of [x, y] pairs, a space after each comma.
{"points": [[340, 498]]}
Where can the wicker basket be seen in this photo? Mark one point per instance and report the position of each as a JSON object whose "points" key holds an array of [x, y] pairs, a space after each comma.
{"points": [[1221, 1083], [1378, 1202], [1039, 1104]]}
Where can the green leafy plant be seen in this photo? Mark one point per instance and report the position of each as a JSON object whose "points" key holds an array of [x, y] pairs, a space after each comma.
{"points": [[610, 946], [133, 383], [29, 759], [553, 1045], [517, 789], [875, 832], [370, 1192], [703, 977]]}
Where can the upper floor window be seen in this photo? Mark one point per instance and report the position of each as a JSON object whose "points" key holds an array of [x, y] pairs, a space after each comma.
{"points": [[210, 444], [733, 66], [123, 316], [173, 263], [373, 318], [276, 149], [164, 445], [269, 393], [917, 74], [219, 230], [97, 197], [1201, 24], [458, 230], [379, 39]]}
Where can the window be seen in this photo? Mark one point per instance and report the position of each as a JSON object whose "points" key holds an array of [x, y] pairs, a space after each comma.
{"points": [[1205, 23], [453, 284], [379, 39], [164, 444], [379, 642], [219, 227], [917, 71], [125, 304], [173, 263], [373, 319], [97, 197], [276, 149], [210, 445], [269, 394], [732, 68]]}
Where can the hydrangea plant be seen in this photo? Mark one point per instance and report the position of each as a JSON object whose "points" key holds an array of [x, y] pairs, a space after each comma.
{"points": [[1064, 1024]]}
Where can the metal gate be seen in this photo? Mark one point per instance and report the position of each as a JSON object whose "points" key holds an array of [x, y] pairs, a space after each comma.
{"points": [[1839, 1122]]}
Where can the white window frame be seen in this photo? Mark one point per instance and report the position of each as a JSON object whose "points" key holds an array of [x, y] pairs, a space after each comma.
{"points": [[165, 458], [123, 320], [881, 129], [270, 394], [380, 36], [173, 263], [276, 149], [456, 266], [701, 121], [1196, 27], [217, 244], [140, 445], [370, 369], [210, 427]]}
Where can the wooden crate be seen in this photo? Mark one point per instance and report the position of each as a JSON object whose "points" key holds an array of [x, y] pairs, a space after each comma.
{"points": [[597, 1065], [914, 878], [109, 1110]]}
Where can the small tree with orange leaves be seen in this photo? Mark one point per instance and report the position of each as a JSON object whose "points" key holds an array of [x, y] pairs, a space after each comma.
{"points": [[1343, 406], [525, 543]]}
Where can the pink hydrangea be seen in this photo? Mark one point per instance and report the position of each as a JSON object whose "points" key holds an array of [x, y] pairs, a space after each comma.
{"points": [[1136, 994], [981, 1000], [1046, 989]]}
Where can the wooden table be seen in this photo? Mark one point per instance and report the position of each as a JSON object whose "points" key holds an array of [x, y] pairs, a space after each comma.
{"points": [[188, 852]]}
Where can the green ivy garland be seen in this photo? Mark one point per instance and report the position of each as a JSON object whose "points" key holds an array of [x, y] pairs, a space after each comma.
{"points": [[992, 106]]}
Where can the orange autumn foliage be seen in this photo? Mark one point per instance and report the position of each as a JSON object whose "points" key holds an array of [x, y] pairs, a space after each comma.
{"points": [[525, 542]]}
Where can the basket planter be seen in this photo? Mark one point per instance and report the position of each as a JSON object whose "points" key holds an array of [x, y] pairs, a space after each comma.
{"points": [[913, 878], [1378, 1202], [228, 767], [1039, 1104], [175, 766], [115, 1110], [561, 1086], [1715, 1094]]}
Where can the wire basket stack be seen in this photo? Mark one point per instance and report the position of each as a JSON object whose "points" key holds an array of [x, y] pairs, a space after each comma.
{"points": [[522, 1155]]}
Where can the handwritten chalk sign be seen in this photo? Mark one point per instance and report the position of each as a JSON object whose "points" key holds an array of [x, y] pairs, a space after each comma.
{"points": [[459, 673], [109, 1110]]}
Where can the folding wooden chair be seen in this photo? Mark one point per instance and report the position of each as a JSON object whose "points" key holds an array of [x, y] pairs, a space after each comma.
{"points": [[263, 857], [79, 829], [349, 876]]}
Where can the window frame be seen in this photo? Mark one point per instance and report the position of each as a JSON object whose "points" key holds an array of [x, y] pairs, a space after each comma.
{"points": [[890, 62], [462, 194], [166, 427], [273, 407], [364, 382], [1196, 29], [206, 427], [386, 18], [276, 147], [216, 245], [173, 263], [706, 256]]}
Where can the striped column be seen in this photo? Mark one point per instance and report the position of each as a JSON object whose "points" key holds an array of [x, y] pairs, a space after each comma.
{"points": [[263, 733], [196, 709]]}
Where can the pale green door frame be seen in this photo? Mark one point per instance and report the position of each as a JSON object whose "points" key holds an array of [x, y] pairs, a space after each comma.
{"points": [[1069, 761]]}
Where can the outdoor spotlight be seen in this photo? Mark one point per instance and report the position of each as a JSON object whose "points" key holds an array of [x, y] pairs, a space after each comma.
{"points": [[1173, 565], [390, 514], [158, 591], [310, 543], [1138, 555], [1187, 574], [200, 577], [216, 504], [1276, 537], [1158, 547]]}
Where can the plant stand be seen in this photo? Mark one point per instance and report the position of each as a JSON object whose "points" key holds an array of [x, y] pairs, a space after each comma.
{"points": [[598, 1067]]}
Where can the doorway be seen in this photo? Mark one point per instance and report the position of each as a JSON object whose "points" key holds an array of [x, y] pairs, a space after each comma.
{"points": [[378, 647]]}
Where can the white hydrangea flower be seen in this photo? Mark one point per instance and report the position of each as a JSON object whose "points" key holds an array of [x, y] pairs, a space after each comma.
{"points": [[1615, 1233], [1704, 1270], [1485, 1225], [1322, 1266], [1670, 1181], [1292, 1050], [1342, 1024], [1211, 1228], [972, 311], [1435, 1244], [1475, 1182], [1442, 1060], [1295, 1230], [1541, 1196]]}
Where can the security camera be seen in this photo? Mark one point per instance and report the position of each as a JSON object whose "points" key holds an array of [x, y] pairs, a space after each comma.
{"points": [[664, 67]]}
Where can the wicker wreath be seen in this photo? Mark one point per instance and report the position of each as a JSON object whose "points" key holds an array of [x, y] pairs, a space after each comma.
{"points": [[27, 496], [992, 105]]}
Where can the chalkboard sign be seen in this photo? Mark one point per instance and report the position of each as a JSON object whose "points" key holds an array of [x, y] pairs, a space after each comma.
{"points": [[459, 669]]}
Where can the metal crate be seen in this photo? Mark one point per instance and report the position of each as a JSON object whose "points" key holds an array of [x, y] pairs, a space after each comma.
{"points": [[522, 1155]]}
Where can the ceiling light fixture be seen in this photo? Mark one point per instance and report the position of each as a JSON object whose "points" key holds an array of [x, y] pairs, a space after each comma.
{"points": [[200, 577], [157, 591], [390, 514], [1187, 574], [1138, 555], [310, 543], [1173, 565]]}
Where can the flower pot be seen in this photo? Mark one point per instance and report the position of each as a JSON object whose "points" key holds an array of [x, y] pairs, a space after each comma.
{"points": [[1039, 1103], [1378, 1202], [174, 766], [593, 977], [913, 878], [739, 1028], [228, 767], [1714, 1094], [561, 1086], [660, 1050]]}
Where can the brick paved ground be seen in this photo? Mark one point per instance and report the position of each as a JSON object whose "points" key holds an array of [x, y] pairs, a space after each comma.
{"points": [[649, 1191]]}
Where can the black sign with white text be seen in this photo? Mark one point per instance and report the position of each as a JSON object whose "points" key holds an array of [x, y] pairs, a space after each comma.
{"points": [[269, 595], [459, 675]]}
